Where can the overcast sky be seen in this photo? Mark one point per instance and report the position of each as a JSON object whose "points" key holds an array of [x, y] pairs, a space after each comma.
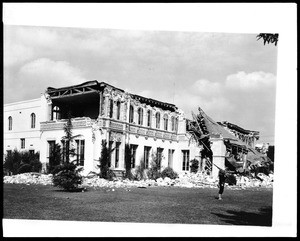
{"points": [[230, 76]]}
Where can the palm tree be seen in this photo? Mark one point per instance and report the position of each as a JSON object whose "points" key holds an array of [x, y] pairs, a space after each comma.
{"points": [[268, 37]]}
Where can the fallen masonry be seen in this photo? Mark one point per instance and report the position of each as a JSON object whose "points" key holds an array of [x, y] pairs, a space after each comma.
{"points": [[188, 180]]}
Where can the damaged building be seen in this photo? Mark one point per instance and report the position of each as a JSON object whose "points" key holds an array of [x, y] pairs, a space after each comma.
{"points": [[100, 111], [226, 145]]}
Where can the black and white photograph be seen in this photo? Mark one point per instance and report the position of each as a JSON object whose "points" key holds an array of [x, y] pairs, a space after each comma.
{"points": [[149, 120]]}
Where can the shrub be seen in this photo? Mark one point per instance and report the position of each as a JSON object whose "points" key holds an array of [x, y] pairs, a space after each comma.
{"points": [[154, 170], [110, 175], [55, 158], [153, 174], [67, 176], [36, 165], [12, 162], [20, 162], [104, 160], [194, 165], [169, 172], [139, 172], [24, 168]]}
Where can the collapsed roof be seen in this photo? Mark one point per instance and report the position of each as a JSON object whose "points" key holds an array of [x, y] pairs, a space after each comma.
{"points": [[204, 126], [94, 86]]}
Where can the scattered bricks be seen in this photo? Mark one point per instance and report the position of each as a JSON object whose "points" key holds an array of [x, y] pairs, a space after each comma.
{"points": [[188, 180]]}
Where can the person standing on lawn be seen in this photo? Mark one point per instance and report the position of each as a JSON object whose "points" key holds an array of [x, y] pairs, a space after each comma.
{"points": [[222, 177]]}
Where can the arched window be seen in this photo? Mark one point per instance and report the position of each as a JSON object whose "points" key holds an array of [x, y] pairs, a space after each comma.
{"points": [[173, 123], [55, 113], [131, 114], [176, 125], [118, 110], [149, 118], [32, 117], [157, 116], [165, 122], [140, 116], [10, 123], [111, 108]]}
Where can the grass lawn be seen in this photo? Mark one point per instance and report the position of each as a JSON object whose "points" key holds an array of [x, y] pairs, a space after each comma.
{"points": [[142, 205]]}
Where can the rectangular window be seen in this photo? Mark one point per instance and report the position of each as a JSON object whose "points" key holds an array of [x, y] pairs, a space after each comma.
{"points": [[117, 157], [170, 158], [64, 149], [31, 152], [147, 156], [159, 155], [22, 143], [133, 154], [111, 108], [80, 152], [185, 160], [110, 144], [51, 145]]}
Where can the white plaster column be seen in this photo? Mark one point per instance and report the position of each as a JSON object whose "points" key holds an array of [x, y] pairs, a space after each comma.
{"points": [[219, 151], [106, 106], [100, 103], [122, 153]]}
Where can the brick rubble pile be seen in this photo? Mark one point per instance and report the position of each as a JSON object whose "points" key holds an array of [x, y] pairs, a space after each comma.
{"points": [[188, 180]]}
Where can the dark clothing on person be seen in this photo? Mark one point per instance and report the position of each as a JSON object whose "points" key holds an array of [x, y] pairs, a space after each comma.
{"points": [[221, 181]]}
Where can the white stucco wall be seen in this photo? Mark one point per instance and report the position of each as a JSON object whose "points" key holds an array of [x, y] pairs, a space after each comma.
{"points": [[21, 125]]}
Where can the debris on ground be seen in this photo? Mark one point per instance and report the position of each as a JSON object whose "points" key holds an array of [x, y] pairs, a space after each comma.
{"points": [[187, 180]]}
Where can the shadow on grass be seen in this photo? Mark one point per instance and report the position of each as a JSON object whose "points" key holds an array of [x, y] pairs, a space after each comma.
{"points": [[81, 189], [263, 218]]}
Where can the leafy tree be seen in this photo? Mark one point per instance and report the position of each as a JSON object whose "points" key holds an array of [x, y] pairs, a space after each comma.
{"points": [[12, 162], [140, 171], [66, 175], [19, 162], [104, 161], [194, 165], [268, 38], [154, 171], [68, 138], [55, 157]]}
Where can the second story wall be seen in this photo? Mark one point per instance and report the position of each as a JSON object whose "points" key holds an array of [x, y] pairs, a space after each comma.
{"points": [[22, 116], [124, 107]]}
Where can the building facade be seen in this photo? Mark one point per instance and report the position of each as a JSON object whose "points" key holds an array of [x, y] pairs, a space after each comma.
{"points": [[22, 126], [100, 112]]}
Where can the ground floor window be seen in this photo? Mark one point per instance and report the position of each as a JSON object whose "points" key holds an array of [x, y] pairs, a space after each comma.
{"points": [[170, 157], [185, 160], [133, 155], [22, 143], [117, 157], [110, 144], [65, 145], [80, 152], [31, 152], [159, 155], [51, 145], [147, 156]]}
